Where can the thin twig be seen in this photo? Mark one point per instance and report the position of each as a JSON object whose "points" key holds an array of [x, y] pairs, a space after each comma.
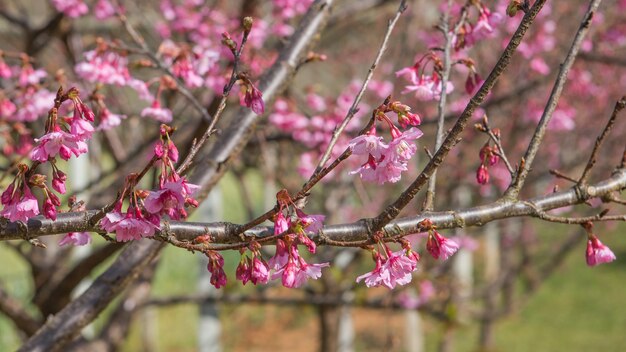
{"points": [[619, 106], [559, 174], [500, 152], [354, 108], [429, 200], [533, 147]]}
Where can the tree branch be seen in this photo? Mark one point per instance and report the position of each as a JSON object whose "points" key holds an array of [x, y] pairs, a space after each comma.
{"points": [[513, 191]]}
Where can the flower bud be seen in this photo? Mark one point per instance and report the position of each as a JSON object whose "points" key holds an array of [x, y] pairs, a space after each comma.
{"points": [[247, 23]]}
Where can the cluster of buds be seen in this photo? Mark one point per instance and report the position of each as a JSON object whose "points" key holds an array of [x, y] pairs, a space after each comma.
{"points": [[489, 155], [254, 269], [386, 162]]}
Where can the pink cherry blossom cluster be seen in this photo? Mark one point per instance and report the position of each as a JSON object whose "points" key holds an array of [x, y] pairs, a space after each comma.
{"points": [[392, 268], [64, 137], [425, 86], [482, 27], [284, 11], [105, 65], [102, 9], [19, 203], [386, 161], [174, 191], [314, 128], [291, 226], [22, 99], [170, 199], [396, 268], [255, 269]]}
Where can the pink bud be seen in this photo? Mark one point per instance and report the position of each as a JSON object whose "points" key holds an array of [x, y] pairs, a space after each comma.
{"points": [[482, 175]]}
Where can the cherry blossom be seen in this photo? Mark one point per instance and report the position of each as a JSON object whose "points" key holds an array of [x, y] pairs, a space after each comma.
{"points": [[157, 112], [440, 247], [57, 143], [170, 199], [71, 8], [76, 239], [597, 252], [216, 268], [130, 226], [19, 203], [106, 67]]}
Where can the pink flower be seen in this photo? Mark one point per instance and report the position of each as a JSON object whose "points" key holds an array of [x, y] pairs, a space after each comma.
{"points": [[49, 209], [244, 270], [5, 70], [132, 226], [109, 120], [598, 253], [57, 143], [309, 271], [76, 239], [377, 277], [260, 272], [368, 144], [29, 76], [71, 8], [395, 270], [482, 175], [216, 268], [281, 257], [410, 73], [103, 9], [400, 149], [19, 205], [427, 88], [311, 223], [156, 112], [80, 128], [7, 108], [104, 67], [400, 267], [440, 247], [253, 98], [33, 105], [472, 83], [170, 199], [290, 275], [184, 69], [58, 181]]}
